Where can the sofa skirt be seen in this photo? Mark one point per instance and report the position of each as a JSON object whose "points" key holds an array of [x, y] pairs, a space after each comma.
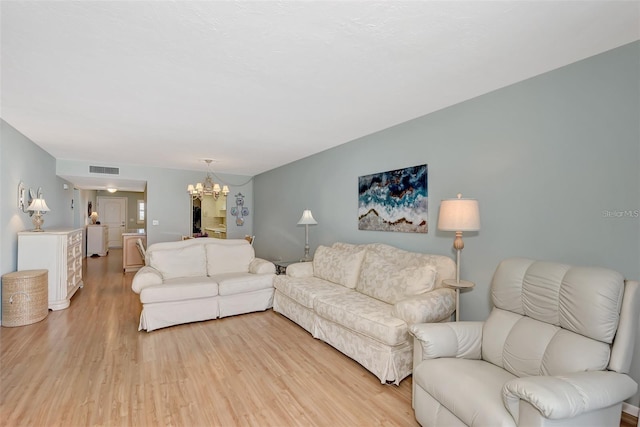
{"points": [[389, 364], [249, 302], [163, 314]]}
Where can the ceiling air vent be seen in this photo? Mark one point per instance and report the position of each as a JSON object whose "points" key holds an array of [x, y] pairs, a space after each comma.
{"points": [[104, 169]]}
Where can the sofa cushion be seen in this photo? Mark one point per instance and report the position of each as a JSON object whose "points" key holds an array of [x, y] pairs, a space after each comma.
{"points": [[385, 280], [304, 290], [229, 258], [185, 288], [471, 389], [240, 283], [187, 261], [363, 314], [338, 265]]}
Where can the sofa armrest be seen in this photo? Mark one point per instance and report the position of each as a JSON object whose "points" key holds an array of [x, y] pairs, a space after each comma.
{"points": [[433, 306], [568, 396], [300, 269], [261, 266], [146, 276], [453, 339]]}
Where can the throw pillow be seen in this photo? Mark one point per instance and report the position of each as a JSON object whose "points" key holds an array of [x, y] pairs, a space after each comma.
{"points": [[386, 281], [337, 265]]}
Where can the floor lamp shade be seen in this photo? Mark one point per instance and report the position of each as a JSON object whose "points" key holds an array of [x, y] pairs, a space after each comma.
{"points": [[459, 215], [307, 218]]}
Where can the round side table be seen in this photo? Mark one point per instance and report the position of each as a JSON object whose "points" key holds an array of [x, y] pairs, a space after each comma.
{"points": [[457, 285], [25, 297]]}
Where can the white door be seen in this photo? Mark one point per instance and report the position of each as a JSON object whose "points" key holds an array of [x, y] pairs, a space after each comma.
{"points": [[112, 212]]}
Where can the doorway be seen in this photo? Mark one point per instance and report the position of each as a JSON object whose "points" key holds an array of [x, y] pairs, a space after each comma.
{"points": [[112, 212]]}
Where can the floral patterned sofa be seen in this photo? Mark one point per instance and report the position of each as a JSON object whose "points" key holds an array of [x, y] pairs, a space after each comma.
{"points": [[362, 299]]}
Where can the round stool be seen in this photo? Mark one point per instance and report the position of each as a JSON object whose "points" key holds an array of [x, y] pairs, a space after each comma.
{"points": [[25, 297]]}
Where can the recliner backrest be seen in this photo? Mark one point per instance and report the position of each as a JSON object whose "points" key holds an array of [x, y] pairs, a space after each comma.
{"points": [[551, 318]]}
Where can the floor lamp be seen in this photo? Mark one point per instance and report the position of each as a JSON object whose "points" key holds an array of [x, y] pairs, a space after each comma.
{"points": [[306, 219], [458, 215]]}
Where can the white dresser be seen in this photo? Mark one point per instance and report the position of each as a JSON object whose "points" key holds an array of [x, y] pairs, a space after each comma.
{"points": [[97, 240], [60, 252]]}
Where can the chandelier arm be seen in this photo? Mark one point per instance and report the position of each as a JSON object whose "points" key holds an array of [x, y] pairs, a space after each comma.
{"points": [[229, 183]]}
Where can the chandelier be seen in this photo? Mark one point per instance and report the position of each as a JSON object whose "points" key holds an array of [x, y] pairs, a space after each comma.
{"points": [[209, 188]]}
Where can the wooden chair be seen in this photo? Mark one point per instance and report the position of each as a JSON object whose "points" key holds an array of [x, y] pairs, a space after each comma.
{"points": [[141, 249]]}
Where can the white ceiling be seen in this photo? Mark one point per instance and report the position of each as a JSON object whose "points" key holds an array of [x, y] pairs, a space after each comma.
{"points": [[259, 84]]}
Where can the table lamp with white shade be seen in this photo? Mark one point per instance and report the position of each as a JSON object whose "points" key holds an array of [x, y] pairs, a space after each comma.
{"points": [[306, 219], [38, 206], [459, 215]]}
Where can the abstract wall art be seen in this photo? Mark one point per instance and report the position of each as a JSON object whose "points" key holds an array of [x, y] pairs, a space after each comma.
{"points": [[396, 200]]}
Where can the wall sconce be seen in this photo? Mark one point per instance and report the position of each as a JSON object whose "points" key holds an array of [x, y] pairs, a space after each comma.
{"points": [[23, 203], [38, 206]]}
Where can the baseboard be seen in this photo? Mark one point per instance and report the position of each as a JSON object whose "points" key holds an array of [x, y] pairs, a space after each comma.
{"points": [[630, 409]]}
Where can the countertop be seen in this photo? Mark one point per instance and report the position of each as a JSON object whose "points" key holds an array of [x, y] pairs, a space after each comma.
{"points": [[135, 232]]}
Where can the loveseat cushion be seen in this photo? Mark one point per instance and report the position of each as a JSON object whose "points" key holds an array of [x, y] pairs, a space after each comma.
{"points": [[229, 258], [338, 265], [471, 389], [181, 289], [363, 314], [241, 283], [387, 281], [186, 261], [304, 290]]}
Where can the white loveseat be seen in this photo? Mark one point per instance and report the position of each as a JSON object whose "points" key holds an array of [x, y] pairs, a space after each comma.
{"points": [[555, 351], [201, 279], [361, 299]]}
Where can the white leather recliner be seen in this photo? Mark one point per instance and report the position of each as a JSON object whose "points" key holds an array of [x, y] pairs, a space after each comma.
{"points": [[555, 351]]}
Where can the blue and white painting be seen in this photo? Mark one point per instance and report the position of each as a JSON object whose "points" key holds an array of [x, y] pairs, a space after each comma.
{"points": [[396, 200]]}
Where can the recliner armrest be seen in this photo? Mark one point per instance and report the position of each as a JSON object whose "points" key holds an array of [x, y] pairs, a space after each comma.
{"points": [[146, 276], [567, 396], [452, 339], [261, 266]]}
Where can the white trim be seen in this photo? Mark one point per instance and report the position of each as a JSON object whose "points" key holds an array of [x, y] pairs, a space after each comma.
{"points": [[630, 409], [144, 206]]}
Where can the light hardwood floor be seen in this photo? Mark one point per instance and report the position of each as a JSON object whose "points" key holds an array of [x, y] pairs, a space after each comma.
{"points": [[89, 365]]}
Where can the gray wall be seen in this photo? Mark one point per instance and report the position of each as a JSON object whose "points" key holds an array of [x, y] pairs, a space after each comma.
{"points": [[22, 160], [547, 158]]}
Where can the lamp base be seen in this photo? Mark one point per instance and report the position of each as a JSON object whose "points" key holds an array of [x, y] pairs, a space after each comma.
{"points": [[306, 257], [37, 222]]}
